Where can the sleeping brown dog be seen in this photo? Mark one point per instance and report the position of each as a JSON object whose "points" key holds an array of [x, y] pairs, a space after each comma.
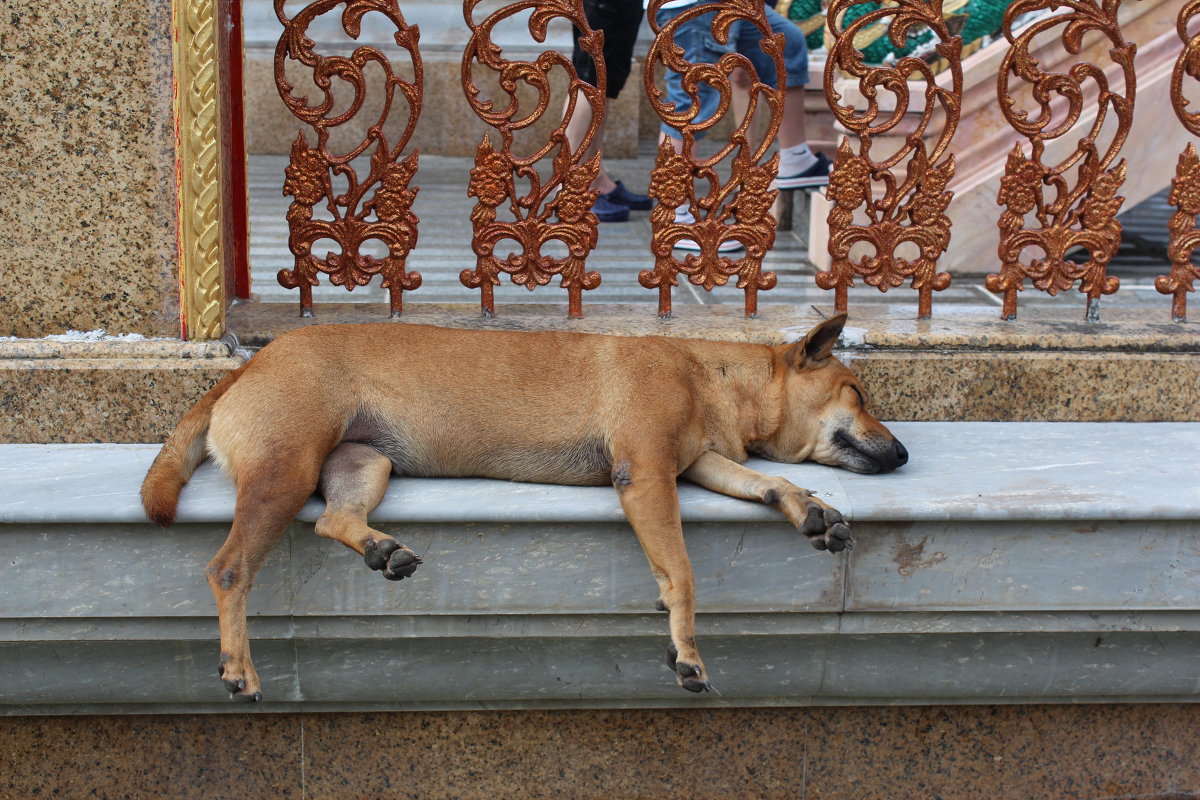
{"points": [[384, 398]]}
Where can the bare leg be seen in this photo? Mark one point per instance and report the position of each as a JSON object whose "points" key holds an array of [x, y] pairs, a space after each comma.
{"points": [[576, 129], [740, 82], [793, 129], [353, 481]]}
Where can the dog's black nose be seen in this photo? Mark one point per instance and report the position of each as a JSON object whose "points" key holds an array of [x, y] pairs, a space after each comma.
{"points": [[901, 455]]}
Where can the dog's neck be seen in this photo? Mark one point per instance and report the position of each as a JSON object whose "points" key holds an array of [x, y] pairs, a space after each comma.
{"points": [[742, 394]]}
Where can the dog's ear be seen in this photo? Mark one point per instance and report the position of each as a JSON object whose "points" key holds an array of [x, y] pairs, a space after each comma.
{"points": [[817, 345]]}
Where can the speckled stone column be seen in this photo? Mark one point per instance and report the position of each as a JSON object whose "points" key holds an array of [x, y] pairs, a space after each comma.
{"points": [[87, 169]]}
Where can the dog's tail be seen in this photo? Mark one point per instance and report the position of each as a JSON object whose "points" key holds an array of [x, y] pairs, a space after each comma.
{"points": [[181, 454]]}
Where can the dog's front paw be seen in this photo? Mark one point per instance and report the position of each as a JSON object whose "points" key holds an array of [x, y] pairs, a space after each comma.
{"points": [[826, 529], [690, 673], [394, 559], [240, 681]]}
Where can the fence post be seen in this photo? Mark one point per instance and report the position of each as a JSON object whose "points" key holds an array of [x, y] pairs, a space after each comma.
{"points": [[913, 209], [735, 208], [566, 194], [1185, 187], [1081, 213], [311, 169]]}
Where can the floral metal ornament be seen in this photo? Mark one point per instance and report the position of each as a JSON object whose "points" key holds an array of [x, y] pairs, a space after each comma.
{"points": [[355, 218], [1066, 213], [896, 211], [559, 209], [736, 208], [1185, 187]]}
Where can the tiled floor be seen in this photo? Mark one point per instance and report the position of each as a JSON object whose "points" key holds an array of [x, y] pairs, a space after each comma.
{"points": [[444, 249]]}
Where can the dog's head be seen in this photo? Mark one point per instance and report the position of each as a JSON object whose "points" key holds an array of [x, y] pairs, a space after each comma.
{"points": [[824, 414]]}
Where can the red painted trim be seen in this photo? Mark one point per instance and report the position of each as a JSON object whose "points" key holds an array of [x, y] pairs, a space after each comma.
{"points": [[233, 147]]}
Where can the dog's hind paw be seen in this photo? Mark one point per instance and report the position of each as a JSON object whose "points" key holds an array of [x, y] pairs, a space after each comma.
{"points": [[394, 559], [826, 529]]}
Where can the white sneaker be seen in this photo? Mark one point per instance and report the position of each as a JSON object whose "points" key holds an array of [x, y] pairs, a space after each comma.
{"points": [[685, 218], [727, 246]]}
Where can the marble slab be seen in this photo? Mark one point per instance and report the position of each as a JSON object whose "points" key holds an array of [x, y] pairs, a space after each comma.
{"points": [[958, 470]]}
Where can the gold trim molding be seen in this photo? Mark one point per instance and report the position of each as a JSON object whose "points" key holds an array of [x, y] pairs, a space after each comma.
{"points": [[198, 149]]}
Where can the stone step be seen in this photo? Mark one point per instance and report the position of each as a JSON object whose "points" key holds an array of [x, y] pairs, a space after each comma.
{"points": [[1006, 563]]}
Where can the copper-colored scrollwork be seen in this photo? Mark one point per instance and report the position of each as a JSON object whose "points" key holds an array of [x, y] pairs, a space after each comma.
{"points": [[912, 210], [312, 170], [1082, 213], [1185, 187], [565, 195], [737, 208]]}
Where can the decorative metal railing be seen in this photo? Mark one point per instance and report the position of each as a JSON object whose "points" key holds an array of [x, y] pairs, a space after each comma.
{"points": [[566, 196], [311, 173], [1185, 188], [890, 217], [734, 208], [1083, 208], [913, 209]]}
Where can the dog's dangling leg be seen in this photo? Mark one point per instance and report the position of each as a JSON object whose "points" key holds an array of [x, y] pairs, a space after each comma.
{"points": [[353, 481], [651, 503], [267, 501]]}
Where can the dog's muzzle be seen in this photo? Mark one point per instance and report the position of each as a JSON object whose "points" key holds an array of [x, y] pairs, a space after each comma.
{"points": [[871, 455], [898, 457]]}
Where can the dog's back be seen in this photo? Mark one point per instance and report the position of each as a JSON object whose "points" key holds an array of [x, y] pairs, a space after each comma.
{"points": [[532, 406]]}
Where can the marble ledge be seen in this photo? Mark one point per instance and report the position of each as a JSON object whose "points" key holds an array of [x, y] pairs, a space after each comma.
{"points": [[29, 349], [876, 327], [961, 471]]}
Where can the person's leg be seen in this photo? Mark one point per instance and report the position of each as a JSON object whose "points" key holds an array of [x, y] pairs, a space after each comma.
{"points": [[799, 166], [576, 129], [699, 47], [619, 20], [740, 81], [694, 37]]}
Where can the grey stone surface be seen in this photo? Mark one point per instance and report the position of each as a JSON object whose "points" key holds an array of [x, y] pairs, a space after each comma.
{"points": [[958, 470], [1006, 563]]}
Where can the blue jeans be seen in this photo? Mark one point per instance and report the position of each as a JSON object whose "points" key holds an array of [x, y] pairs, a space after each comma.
{"points": [[700, 47]]}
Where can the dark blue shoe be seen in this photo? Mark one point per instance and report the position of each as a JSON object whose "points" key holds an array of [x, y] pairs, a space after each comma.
{"points": [[816, 175], [624, 197], [608, 211]]}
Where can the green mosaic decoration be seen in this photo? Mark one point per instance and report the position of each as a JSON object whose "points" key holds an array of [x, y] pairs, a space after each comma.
{"points": [[810, 16], [972, 19]]}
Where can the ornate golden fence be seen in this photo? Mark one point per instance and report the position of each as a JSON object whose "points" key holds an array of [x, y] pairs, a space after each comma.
{"points": [[891, 215]]}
